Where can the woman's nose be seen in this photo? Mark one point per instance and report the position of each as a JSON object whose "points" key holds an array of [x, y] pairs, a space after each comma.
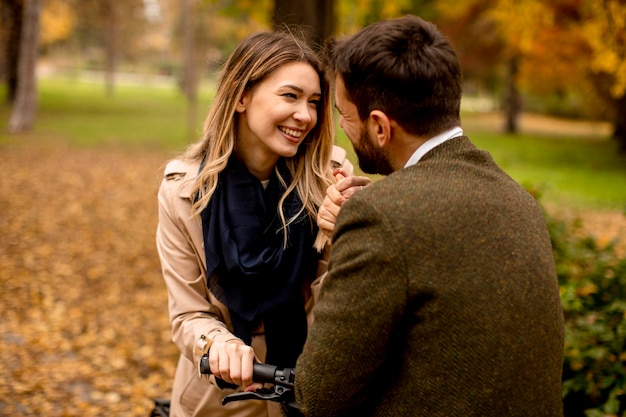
{"points": [[304, 113]]}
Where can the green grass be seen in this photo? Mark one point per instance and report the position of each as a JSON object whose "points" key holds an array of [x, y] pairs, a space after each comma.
{"points": [[82, 114], [577, 171], [582, 172]]}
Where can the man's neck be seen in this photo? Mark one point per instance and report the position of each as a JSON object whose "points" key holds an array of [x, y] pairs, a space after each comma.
{"points": [[402, 147], [424, 146]]}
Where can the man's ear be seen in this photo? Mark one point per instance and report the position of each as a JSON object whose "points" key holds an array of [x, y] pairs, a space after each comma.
{"points": [[243, 102], [380, 127]]}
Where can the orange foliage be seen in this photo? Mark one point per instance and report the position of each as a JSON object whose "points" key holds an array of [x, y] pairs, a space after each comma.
{"points": [[604, 28], [58, 20], [560, 42]]}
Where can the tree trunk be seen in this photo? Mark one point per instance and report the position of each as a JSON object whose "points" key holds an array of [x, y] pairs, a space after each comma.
{"points": [[619, 124], [25, 107], [11, 22], [315, 17], [110, 47], [512, 98], [190, 69], [615, 107]]}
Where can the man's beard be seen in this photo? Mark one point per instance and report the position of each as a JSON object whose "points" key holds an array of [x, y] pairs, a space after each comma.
{"points": [[372, 159]]}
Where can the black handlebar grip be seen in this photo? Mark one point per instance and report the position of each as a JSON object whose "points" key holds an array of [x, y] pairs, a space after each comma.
{"points": [[205, 368], [261, 372]]}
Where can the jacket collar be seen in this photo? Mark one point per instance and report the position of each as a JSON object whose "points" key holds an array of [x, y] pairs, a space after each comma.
{"points": [[185, 171]]}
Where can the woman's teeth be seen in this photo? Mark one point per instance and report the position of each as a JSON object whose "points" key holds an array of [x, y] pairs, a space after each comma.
{"points": [[290, 132]]}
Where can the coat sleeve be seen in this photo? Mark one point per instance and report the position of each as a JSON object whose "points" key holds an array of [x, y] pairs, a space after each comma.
{"points": [[363, 294], [339, 159], [191, 313]]}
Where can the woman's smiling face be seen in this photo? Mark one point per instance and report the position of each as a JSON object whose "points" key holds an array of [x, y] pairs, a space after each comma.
{"points": [[276, 115]]}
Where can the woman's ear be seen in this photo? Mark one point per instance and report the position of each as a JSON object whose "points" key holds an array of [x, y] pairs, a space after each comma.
{"points": [[243, 102], [380, 127]]}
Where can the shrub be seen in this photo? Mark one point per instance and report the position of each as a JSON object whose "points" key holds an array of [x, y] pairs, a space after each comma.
{"points": [[592, 282]]}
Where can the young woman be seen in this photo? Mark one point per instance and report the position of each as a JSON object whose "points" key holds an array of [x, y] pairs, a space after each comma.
{"points": [[237, 237]]}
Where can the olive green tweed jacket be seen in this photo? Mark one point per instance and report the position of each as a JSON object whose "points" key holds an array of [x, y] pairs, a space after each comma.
{"points": [[441, 299]]}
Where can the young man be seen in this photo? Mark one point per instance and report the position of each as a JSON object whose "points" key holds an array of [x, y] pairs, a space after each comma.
{"points": [[441, 297]]}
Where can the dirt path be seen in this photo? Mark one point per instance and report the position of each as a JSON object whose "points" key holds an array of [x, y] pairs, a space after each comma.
{"points": [[606, 226], [538, 124]]}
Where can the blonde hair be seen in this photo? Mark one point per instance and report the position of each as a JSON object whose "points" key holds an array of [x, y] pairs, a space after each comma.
{"points": [[253, 60]]}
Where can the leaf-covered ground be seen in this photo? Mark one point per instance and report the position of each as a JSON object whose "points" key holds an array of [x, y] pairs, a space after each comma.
{"points": [[83, 308]]}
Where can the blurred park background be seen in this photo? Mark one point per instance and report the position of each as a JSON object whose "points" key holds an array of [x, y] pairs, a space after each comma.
{"points": [[96, 95]]}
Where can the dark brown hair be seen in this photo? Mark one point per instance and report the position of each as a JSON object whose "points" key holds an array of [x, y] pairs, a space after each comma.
{"points": [[404, 67]]}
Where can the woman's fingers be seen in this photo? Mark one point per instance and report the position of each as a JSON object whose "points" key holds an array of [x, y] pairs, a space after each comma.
{"points": [[325, 226], [247, 368], [336, 195], [232, 362]]}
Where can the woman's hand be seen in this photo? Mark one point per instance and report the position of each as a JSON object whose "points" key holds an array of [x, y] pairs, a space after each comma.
{"points": [[232, 361], [336, 195]]}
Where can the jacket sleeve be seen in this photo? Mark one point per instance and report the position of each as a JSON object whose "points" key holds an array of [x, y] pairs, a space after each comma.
{"points": [[339, 159], [364, 292], [191, 313]]}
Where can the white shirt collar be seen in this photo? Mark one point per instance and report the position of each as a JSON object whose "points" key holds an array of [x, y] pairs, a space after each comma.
{"points": [[433, 142]]}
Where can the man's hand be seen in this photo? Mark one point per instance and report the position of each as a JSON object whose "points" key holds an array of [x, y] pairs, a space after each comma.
{"points": [[336, 195]]}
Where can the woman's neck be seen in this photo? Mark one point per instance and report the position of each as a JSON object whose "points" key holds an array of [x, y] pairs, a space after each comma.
{"points": [[258, 163]]}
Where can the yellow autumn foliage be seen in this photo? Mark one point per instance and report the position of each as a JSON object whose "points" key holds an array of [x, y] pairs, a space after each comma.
{"points": [[57, 21], [559, 42], [257, 11], [454, 9], [520, 21], [604, 29], [391, 9], [355, 14]]}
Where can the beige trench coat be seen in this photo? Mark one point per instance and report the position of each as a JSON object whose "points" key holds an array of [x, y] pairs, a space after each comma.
{"points": [[193, 310]]}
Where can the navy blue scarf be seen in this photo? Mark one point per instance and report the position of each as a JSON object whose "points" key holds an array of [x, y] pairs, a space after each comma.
{"points": [[248, 268]]}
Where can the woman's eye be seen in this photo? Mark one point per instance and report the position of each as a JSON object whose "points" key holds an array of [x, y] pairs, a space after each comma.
{"points": [[290, 95], [315, 103]]}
